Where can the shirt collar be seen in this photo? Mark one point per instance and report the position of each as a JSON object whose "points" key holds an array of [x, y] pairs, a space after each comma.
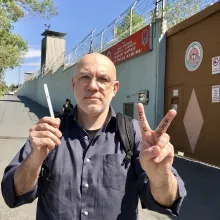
{"points": [[111, 122]]}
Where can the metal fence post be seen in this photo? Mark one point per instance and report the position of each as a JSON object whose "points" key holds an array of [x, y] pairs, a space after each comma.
{"points": [[91, 40], [102, 39], [131, 16], [115, 28], [75, 54], [164, 20]]}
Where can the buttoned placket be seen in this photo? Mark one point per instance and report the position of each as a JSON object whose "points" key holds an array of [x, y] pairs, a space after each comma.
{"points": [[85, 210], [85, 184]]}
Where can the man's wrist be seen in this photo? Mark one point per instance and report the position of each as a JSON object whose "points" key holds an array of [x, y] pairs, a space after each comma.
{"points": [[162, 181], [36, 159], [165, 192]]}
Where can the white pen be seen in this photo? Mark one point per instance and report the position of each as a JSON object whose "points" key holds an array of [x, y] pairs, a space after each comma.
{"points": [[48, 100]]}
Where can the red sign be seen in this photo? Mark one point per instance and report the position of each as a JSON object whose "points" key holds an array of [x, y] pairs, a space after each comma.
{"points": [[132, 46]]}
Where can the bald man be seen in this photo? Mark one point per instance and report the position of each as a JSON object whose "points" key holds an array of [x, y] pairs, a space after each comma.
{"points": [[78, 174]]}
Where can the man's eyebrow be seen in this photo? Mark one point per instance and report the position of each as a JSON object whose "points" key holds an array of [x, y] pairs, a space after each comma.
{"points": [[81, 72]]}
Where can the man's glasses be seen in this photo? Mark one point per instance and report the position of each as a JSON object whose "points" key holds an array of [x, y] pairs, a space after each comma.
{"points": [[103, 82]]}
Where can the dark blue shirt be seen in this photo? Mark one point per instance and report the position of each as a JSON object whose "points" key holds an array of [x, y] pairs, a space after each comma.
{"points": [[87, 180]]}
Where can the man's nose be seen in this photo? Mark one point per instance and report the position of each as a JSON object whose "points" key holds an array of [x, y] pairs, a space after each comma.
{"points": [[93, 84]]}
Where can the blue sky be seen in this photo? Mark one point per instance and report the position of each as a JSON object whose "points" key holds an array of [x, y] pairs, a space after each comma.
{"points": [[76, 18]]}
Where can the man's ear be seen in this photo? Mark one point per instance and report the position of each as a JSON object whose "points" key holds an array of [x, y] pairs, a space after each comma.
{"points": [[73, 83], [116, 87]]}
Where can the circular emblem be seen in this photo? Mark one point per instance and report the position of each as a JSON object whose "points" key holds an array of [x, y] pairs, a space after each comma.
{"points": [[193, 56], [144, 36]]}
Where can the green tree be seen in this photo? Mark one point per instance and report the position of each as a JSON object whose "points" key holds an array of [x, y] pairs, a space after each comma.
{"points": [[3, 86], [123, 29], [176, 11], [11, 87], [12, 46]]}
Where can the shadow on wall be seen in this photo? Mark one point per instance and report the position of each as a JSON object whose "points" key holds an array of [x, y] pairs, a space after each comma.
{"points": [[35, 108], [203, 190]]}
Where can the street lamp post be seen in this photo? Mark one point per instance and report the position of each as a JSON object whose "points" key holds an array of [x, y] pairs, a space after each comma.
{"points": [[19, 73]]}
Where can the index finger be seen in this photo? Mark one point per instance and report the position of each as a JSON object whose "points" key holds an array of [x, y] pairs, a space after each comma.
{"points": [[55, 122], [143, 123], [165, 122]]}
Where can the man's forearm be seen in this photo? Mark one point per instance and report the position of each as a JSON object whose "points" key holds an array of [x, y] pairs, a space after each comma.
{"points": [[166, 193], [26, 175]]}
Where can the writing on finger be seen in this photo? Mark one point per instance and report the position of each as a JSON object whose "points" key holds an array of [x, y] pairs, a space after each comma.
{"points": [[142, 119], [161, 129], [165, 122]]}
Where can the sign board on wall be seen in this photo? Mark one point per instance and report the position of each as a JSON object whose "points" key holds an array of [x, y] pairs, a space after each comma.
{"points": [[132, 46], [215, 93], [175, 92], [216, 65]]}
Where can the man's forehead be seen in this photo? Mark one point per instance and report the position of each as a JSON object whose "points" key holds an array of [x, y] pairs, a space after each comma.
{"points": [[96, 63], [93, 67]]}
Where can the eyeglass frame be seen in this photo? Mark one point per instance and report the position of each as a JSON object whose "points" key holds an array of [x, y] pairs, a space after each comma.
{"points": [[97, 83]]}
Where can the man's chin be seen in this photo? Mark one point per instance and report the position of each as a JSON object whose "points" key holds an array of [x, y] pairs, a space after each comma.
{"points": [[93, 109]]}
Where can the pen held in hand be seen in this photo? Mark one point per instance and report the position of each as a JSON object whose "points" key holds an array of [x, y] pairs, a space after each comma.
{"points": [[48, 100]]}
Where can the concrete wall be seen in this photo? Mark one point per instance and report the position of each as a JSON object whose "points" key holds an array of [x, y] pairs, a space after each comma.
{"points": [[145, 72]]}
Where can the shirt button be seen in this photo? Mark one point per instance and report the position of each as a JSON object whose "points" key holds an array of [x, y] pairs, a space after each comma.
{"points": [[86, 138], [88, 160], [86, 185], [86, 213]]}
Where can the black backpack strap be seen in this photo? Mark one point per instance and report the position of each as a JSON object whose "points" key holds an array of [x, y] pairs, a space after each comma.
{"points": [[63, 121], [126, 133]]}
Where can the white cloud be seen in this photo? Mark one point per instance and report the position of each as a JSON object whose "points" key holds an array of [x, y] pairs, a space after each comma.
{"points": [[33, 46], [31, 64], [33, 53]]}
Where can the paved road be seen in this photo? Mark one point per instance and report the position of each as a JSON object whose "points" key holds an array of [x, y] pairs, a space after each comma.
{"points": [[15, 122], [17, 115]]}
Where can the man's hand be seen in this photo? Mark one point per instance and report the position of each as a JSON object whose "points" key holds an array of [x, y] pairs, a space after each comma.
{"points": [[44, 136], [156, 156]]}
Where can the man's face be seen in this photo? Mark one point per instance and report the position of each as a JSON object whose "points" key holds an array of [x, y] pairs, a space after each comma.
{"points": [[94, 83]]}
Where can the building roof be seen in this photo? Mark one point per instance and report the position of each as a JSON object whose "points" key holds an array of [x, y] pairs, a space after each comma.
{"points": [[52, 33]]}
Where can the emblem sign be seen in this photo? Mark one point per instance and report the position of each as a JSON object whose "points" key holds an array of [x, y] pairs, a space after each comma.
{"points": [[193, 56], [145, 36]]}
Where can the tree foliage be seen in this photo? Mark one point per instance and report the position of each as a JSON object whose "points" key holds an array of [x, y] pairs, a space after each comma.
{"points": [[12, 46], [123, 29]]}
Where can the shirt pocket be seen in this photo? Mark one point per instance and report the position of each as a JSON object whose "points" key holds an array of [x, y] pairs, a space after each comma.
{"points": [[114, 175]]}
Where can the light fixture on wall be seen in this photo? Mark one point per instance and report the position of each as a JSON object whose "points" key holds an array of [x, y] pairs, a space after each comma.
{"points": [[143, 96]]}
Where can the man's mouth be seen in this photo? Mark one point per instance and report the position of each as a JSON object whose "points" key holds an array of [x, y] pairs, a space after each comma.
{"points": [[92, 98]]}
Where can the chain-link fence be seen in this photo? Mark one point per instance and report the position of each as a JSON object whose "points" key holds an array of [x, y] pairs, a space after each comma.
{"points": [[138, 15]]}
